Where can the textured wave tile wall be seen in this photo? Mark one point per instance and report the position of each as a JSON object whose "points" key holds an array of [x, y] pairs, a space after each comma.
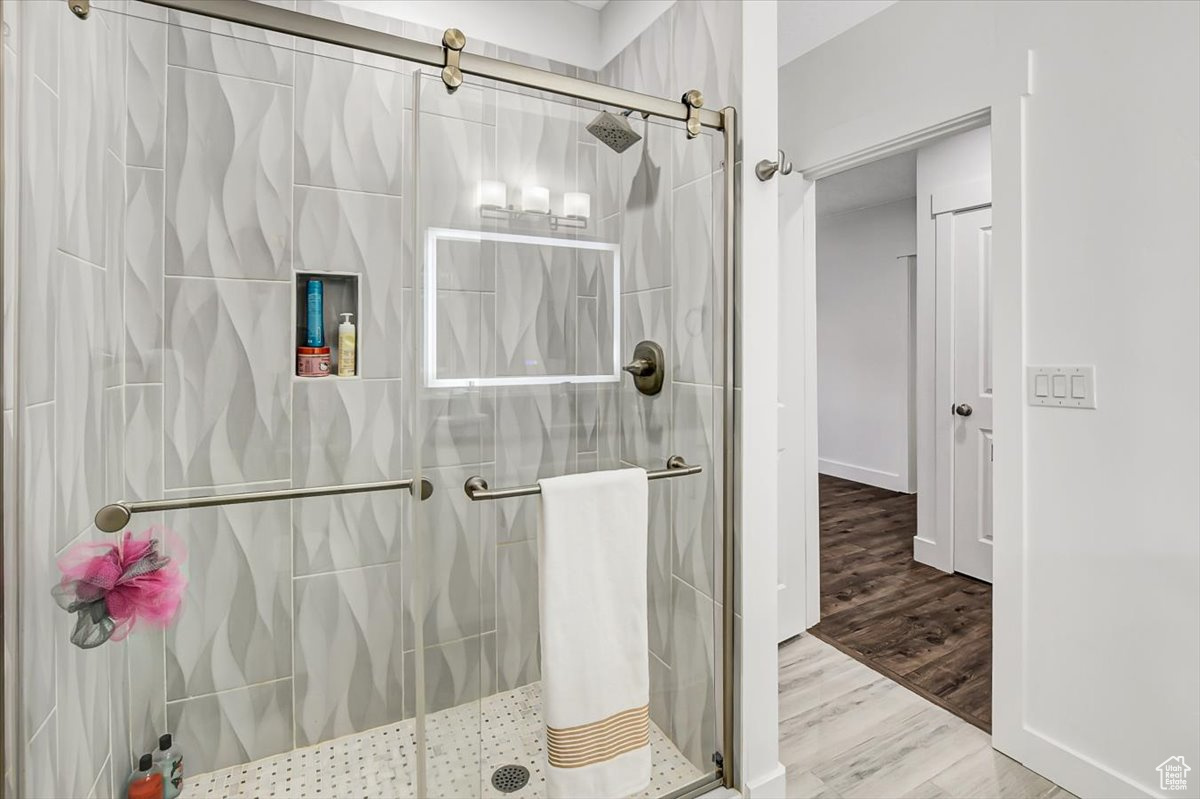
{"points": [[65, 209]]}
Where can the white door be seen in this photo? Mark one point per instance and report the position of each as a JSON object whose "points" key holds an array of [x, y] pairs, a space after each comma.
{"points": [[970, 246], [799, 588]]}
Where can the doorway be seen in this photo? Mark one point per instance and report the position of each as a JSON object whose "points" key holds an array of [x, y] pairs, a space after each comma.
{"points": [[904, 431]]}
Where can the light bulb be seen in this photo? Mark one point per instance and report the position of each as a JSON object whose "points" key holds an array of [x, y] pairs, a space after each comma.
{"points": [[535, 199], [577, 204], [492, 194]]}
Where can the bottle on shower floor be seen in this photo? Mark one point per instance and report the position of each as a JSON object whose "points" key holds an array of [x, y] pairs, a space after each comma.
{"points": [[146, 782], [169, 761]]}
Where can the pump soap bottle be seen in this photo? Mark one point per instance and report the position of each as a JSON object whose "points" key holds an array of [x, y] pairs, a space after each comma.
{"points": [[347, 341]]}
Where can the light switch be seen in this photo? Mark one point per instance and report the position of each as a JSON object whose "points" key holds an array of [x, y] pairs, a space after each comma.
{"points": [[1062, 386]]}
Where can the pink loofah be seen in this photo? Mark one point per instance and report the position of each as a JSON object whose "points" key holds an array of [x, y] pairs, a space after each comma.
{"points": [[115, 587]]}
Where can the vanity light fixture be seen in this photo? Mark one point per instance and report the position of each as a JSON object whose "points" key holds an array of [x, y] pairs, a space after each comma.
{"points": [[492, 198]]}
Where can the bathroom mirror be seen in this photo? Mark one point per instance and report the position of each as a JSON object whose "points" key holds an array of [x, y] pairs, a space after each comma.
{"points": [[504, 309]]}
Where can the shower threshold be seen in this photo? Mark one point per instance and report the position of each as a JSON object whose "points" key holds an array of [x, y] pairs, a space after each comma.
{"points": [[381, 763]]}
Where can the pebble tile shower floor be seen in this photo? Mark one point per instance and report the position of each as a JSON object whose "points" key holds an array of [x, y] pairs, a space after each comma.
{"points": [[381, 763]]}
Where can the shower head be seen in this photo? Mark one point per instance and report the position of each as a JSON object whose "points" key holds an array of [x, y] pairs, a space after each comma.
{"points": [[615, 131]]}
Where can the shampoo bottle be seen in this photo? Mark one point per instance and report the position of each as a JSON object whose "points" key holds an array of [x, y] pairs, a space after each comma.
{"points": [[347, 340], [169, 762], [146, 782], [316, 314]]}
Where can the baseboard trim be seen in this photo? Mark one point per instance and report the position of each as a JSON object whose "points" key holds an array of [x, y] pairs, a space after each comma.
{"points": [[1078, 773], [862, 474], [929, 553], [772, 785]]}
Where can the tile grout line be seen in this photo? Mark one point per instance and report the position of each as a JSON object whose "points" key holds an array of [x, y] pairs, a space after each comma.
{"points": [[223, 691], [292, 408]]}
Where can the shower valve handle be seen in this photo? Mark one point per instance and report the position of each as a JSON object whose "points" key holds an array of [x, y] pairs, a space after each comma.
{"points": [[648, 367], [640, 367]]}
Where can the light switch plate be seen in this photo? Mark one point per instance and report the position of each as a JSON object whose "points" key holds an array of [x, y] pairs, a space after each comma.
{"points": [[1062, 386]]}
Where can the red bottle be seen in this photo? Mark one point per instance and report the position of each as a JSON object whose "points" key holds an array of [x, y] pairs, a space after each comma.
{"points": [[146, 782]]}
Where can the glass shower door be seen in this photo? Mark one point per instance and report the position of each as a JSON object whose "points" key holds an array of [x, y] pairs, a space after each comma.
{"points": [[543, 259], [502, 264]]}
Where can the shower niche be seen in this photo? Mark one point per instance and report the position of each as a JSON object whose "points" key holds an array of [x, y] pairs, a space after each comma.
{"points": [[340, 295]]}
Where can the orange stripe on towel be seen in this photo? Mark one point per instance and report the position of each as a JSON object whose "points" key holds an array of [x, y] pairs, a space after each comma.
{"points": [[586, 744]]}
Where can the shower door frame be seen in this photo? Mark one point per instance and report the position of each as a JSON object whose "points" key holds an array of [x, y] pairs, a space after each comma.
{"points": [[295, 23]]}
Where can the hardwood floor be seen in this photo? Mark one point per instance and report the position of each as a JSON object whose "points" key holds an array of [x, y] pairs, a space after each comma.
{"points": [[928, 630], [846, 731]]}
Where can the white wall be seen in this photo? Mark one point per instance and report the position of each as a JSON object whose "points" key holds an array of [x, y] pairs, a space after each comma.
{"points": [[805, 25], [1096, 181], [863, 359], [556, 29], [517, 24], [761, 774], [963, 158], [622, 22]]}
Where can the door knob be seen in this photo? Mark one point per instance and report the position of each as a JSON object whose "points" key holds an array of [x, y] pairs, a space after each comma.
{"points": [[963, 409]]}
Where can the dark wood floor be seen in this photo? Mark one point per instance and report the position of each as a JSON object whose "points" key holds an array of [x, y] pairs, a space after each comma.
{"points": [[923, 628]]}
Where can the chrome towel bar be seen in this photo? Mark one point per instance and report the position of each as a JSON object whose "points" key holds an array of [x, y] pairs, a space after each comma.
{"points": [[113, 518], [477, 488]]}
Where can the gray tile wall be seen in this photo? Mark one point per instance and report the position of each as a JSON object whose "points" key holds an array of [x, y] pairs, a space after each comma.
{"points": [[64, 233], [250, 158]]}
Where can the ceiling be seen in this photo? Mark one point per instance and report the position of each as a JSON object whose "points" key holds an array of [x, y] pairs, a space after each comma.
{"points": [[595, 5], [875, 183], [807, 24]]}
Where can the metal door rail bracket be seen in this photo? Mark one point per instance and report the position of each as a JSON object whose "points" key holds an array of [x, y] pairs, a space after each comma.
{"points": [[453, 41], [693, 100]]}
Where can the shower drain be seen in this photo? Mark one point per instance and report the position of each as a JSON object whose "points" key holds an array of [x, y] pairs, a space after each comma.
{"points": [[508, 779]]}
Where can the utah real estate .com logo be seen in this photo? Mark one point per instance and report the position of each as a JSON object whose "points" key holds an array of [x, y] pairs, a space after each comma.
{"points": [[1172, 774]]}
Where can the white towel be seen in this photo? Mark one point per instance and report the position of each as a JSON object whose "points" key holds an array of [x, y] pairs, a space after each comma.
{"points": [[592, 538]]}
